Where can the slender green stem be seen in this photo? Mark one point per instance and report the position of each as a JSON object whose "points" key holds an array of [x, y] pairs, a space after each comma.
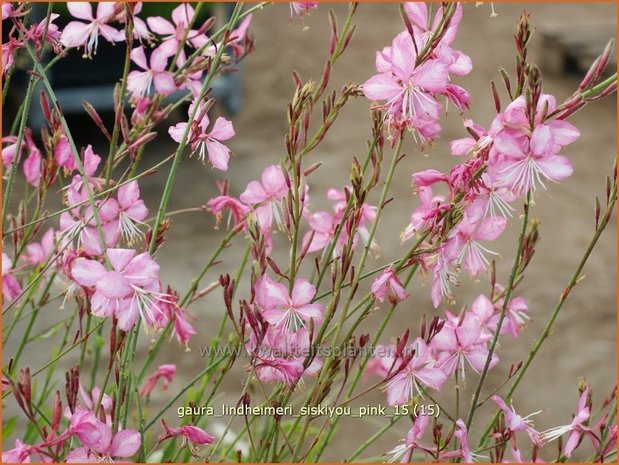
{"points": [[506, 301]]}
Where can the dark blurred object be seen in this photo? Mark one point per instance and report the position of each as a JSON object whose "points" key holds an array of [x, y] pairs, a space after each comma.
{"points": [[571, 47], [75, 78]]}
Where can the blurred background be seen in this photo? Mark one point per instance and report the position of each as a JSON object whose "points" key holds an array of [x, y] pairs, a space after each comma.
{"points": [[567, 38]]}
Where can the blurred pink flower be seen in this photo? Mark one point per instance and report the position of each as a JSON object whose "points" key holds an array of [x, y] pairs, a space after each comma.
{"points": [[165, 372]]}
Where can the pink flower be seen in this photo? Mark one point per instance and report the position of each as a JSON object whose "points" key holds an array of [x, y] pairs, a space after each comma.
{"points": [[456, 343], [10, 287], [131, 212], [7, 9], [166, 372], [404, 452], [300, 9], [408, 89], [266, 196], [279, 355], [76, 33], [442, 276], [466, 236], [23, 453], [129, 290], [324, 226], [124, 444], [290, 311], [63, 154], [238, 210], [388, 285], [206, 142], [9, 151], [173, 32], [191, 435], [38, 253], [575, 429], [527, 162], [32, 167], [515, 316], [81, 224], [139, 83], [427, 215], [421, 369], [8, 52], [91, 431], [517, 423]]}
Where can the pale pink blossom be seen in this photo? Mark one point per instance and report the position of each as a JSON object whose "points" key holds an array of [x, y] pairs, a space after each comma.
{"points": [[427, 216], [516, 422], [287, 310], [203, 141], [412, 442], [421, 369], [130, 290], [266, 197], [174, 32], [409, 89], [131, 212], [575, 429], [467, 235], [140, 83], [388, 285], [457, 343], [77, 33]]}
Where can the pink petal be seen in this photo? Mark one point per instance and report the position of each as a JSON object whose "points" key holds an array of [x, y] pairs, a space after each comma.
{"points": [[403, 56], [490, 228], [164, 83], [128, 194], [80, 10], [159, 60], [417, 12], [222, 129], [161, 26], [111, 34], [125, 443], [119, 258], [303, 292], [381, 87], [87, 272], [508, 145], [398, 389], [114, 285], [311, 311], [432, 377], [271, 294], [176, 132], [139, 57], [105, 10], [218, 154], [127, 314], [274, 181], [432, 76], [563, 132], [74, 34], [555, 167], [541, 140], [182, 14]]}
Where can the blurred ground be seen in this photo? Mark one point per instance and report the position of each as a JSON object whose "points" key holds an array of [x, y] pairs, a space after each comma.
{"points": [[583, 341]]}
